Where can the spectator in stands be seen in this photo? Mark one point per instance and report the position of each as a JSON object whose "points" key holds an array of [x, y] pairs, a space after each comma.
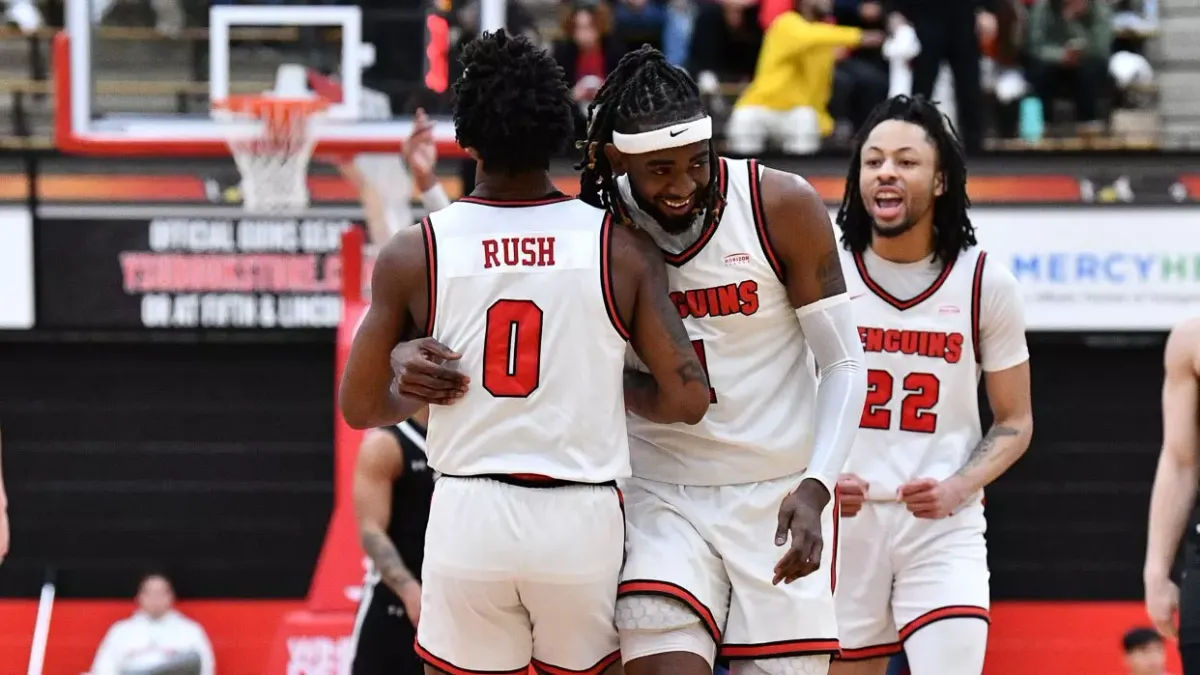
{"points": [[726, 40], [860, 81], [25, 15], [1133, 21], [587, 52], [168, 14], [1069, 46], [1145, 653], [787, 101], [640, 22], [156, 640], [950, 31]]}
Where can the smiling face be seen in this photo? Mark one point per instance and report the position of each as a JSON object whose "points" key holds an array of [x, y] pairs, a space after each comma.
{"points": [[899, 178], [671, 185]]}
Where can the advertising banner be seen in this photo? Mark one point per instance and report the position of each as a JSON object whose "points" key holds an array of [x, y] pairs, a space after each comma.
{"points": [[1106, 269], [16, 269], [1097, 268], [190, 273]]}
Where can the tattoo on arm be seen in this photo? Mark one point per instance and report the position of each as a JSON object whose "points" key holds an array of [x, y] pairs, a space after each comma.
{"points": [[690, 371], [667, 311], [829, 274], [386, 558], [985, 446]]}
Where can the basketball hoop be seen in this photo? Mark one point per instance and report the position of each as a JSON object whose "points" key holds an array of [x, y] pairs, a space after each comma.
{"points": [[273, 160]]}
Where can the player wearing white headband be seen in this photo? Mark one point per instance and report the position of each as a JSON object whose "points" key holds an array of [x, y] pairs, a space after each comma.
{"points": [[754, 271]]}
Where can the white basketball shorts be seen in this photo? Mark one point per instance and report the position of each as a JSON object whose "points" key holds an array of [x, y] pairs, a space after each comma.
{"points": [[514, 575], [901, 573], [713, 549]]}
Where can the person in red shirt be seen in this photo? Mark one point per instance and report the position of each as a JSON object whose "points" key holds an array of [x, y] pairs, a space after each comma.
{"points": [[587, 52]]}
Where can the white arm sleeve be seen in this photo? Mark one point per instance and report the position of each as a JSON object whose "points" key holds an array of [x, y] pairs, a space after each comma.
{"points": [[435, 198], [831, 332]]}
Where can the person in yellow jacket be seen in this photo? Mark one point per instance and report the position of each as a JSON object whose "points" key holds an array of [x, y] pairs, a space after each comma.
{"points": [[786, 101]]}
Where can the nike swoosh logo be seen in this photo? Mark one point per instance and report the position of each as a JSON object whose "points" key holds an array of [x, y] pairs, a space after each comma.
{"points": [[673, 134], [857, 295]]}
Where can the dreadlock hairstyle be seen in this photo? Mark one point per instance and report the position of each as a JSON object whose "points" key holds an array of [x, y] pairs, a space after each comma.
{"points": [[644, 90], [953, 232], [512, 104]]}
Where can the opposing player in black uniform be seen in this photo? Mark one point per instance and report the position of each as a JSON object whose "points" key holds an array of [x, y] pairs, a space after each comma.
{"points": [[393, 486]]}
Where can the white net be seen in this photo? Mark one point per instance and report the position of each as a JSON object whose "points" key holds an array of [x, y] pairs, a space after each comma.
{"points": [[273, 157]]}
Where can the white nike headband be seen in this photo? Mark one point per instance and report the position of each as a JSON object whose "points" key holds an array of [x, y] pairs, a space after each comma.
{"points": [[674, 136]]}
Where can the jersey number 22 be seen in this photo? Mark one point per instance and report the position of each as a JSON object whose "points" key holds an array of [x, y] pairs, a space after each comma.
{"points": [[512, 349], [916, 408]]}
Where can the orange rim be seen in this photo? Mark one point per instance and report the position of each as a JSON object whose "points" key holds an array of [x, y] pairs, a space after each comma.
{"points": [[265, 107], [278, 114]]}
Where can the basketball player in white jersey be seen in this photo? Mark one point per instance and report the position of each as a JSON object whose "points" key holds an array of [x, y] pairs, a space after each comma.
{"points": [[933, 312], [1173, 500], [538, 292], [754, 271]]}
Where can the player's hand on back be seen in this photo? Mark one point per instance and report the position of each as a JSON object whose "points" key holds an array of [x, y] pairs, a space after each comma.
{"points": [[421, 372], [800, 517], [852, 492], [931, 498]]}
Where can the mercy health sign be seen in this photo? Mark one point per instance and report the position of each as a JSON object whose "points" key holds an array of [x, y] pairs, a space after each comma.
{"points": [[1099, 269]]}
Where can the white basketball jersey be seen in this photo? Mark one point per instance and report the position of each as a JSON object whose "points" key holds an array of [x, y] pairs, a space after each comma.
{"points": [[760, 421], [921, 417], [522, 291]]}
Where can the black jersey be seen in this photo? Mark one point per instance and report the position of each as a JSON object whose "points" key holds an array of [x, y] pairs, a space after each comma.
{"points": [[411, 494]]}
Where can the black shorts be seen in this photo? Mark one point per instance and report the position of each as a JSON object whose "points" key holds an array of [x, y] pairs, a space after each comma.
{"points": [[384, 636]]}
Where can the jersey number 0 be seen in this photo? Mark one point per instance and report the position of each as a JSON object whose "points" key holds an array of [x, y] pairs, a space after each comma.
{"points": [[916, 409], [512, 349]]}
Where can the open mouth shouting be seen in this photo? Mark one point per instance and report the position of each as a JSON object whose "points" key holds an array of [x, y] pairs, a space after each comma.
{"points": [[888, 203]]}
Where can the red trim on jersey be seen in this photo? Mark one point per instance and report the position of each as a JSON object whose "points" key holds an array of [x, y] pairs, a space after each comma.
{"points": [[942, 613], [872, 652], [760, 221], [976, 300], [552, 198], [893, 300], [601, 665], [431, 267], [695, 248], [606, 283], [447, 667], [780, 649], [670, 590]]}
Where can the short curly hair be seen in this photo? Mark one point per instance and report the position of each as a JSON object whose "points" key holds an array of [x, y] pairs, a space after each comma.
{"points": [[512, 104]]}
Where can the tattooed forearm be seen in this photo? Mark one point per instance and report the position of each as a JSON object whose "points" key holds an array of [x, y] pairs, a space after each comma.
{"points": [[984, 449], [386, 559], [829, 274]]}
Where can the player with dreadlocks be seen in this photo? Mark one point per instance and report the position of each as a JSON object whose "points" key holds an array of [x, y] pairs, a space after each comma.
{"points": [[933, 313], [533, 294], [754, 271]]}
